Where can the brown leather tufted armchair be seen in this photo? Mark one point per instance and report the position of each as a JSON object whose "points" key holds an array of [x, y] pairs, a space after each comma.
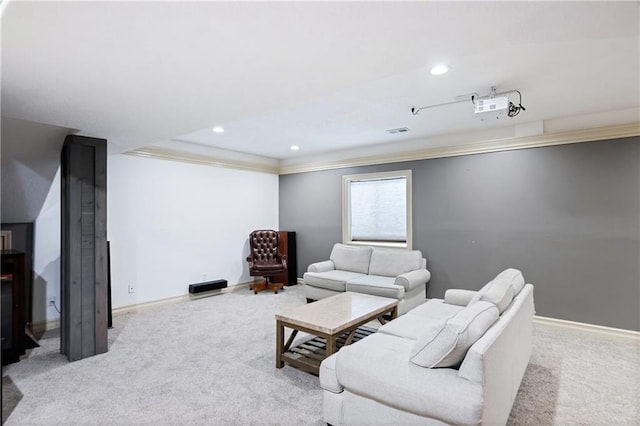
{"points": [[265, 259]]}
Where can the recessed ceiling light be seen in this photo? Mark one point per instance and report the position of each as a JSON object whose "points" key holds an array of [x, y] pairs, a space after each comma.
{"points": [[218, 129], [294, 147], [439, 70]]}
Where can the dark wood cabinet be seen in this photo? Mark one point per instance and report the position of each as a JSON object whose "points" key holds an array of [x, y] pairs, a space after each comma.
{"points": [[13, 306], [22, 241], [288, 248]]}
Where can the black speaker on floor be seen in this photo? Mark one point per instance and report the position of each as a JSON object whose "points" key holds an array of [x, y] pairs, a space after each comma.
{"points": [[288, 248], [293, 258], [207, 286]]}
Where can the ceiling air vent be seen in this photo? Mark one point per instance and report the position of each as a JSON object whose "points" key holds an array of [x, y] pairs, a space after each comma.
{"points": [[398, 130]]}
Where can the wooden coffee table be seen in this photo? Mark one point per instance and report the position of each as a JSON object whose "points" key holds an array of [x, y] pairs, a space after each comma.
{"points": [[335, 320]]}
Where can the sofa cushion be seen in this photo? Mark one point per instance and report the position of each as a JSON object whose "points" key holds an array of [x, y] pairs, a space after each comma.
{"points": [[377, 368], [351, 258], [435, 309], [332, 280], [393, 262], [405, 326], [445, 343], [412, 324], [497, 291], [500, 294], [514, 277], [377, 286]]}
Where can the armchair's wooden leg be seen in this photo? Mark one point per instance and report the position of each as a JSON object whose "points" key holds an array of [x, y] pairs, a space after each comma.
{"points": [[273, 286], [258, 287]]}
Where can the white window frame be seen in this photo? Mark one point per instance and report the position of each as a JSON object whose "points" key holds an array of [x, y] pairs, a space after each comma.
{"points": [[346, 205]]}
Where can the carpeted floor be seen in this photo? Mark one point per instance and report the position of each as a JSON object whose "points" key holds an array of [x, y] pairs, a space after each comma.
{"points": [[212, 361]]}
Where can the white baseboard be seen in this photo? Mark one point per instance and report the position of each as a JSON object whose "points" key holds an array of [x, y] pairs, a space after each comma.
{"points": [[42, 326], [618, 332], [185, 297]]}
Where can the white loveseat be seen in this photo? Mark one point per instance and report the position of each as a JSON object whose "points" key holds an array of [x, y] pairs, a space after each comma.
{"points": [[439, 363], [395, 273]]}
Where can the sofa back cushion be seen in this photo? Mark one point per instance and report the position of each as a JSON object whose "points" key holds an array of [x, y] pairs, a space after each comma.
{"points": [[501, 290], [500, 293], [445, 343], [351, 258], [514, 277], [394, 262]]}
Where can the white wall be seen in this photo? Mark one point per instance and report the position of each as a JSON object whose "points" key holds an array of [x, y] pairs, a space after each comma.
{"points": [[30, 192], [171, 224], [46, 256]]}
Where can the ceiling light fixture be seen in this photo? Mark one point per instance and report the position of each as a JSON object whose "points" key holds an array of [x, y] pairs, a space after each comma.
{"points": [[294, 147], [439, 70], [218, 129]]}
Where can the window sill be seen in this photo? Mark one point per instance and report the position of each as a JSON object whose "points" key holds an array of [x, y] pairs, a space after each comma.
{"points": [[379, 244]]}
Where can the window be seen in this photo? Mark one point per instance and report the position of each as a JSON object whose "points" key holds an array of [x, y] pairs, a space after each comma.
{"points": [[376, 209]]}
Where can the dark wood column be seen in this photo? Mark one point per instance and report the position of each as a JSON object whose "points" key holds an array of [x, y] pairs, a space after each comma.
{"points": [[83, 259]]}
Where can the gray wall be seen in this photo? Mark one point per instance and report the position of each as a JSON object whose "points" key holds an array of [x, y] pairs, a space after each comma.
{"points": [[567, 216], [30, 154]]}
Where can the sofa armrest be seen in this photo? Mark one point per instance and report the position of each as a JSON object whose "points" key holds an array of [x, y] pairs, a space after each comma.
{"points": [[456, 296], [325, 266], [412, 279], [328, 378]]}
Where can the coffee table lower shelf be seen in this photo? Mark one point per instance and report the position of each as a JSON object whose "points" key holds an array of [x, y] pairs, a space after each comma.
{"points": [[308, 355]]}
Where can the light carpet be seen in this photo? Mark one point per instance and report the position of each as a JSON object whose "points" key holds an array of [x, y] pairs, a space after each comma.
{"points": [[212, 361]]}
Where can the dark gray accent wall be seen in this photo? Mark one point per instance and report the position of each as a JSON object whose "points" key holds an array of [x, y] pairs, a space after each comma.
{"points": [[568, 216]]}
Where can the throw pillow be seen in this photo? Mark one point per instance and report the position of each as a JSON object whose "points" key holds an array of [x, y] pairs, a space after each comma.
{"points": [[445, 343]]}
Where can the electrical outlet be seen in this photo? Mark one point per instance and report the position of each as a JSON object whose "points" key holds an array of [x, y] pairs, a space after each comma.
{"points": [[131, 289]]}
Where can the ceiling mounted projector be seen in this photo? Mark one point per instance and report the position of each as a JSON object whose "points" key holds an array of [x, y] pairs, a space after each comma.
{"points": [[491, 108]]}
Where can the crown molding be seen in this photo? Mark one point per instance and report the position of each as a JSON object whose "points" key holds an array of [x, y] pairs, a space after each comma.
{"points": [[185, 157], [495, 145], [506, 144]]}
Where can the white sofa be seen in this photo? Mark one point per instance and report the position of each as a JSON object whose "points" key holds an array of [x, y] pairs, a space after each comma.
{"points": [[439, 363], [395, 273]]}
